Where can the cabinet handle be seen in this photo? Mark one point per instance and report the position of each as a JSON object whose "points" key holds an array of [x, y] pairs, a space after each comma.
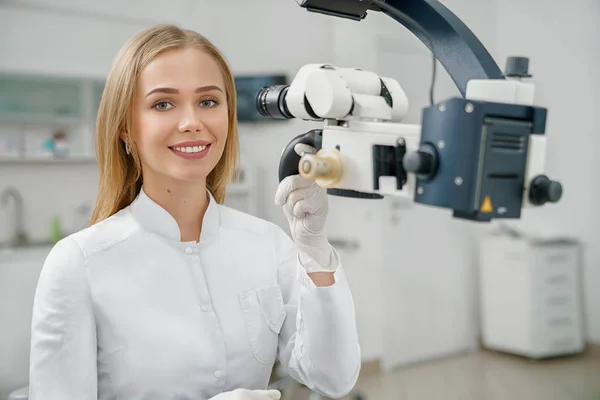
{"points": [[559, 321], [557, 301], [555, 279], [344, 244], [556, 258]]}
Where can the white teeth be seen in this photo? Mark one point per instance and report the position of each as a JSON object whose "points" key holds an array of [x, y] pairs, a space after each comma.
{"points": [[190, 149]]}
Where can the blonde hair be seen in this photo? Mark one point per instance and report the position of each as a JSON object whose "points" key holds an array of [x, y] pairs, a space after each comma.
{"points": [[120, 173]]}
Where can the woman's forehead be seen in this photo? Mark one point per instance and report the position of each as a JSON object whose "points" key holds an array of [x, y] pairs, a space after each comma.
{"points": [[181, 69]]}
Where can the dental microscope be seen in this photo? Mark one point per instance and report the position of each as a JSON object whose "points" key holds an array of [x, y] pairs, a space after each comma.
{"points": [[481, 155]]}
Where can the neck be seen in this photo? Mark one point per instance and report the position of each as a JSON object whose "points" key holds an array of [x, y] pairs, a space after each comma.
{"points": [[186, 202]]}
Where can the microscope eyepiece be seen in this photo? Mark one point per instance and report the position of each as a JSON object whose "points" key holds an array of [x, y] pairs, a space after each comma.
{"points": [[270, 102]]}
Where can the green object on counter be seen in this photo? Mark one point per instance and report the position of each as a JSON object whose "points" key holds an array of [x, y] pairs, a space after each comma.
{"points": [[56, 233]]}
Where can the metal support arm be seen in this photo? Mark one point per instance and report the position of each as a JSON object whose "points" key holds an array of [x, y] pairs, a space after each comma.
{"points": [[457, 49]]}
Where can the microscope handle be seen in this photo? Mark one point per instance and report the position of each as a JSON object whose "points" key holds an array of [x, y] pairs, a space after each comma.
{"points": [[288, 164]]}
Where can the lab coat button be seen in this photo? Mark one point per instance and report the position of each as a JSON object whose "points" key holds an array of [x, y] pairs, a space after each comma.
{"points": [[205, 307], [188, 250], [217, 374]]}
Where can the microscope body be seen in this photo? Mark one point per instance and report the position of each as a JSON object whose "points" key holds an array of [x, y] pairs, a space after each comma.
{"points": [[482, 156], [487, 156]]}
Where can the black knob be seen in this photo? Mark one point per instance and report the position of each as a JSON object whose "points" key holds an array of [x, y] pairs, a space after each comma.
{"points": [[418, 162], [517, 67], [422, 162], [544, 190]]}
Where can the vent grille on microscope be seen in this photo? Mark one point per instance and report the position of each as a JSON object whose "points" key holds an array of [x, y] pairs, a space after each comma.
{"points": [[508, 141]]}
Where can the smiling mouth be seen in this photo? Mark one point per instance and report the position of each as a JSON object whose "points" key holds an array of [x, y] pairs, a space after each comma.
{"points": [[190, 149]]}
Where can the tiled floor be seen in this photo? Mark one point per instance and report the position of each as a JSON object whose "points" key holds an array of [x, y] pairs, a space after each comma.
{"points": [[488, 376]]}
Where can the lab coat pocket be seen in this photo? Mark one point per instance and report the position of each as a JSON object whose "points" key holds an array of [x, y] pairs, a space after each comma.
{"points": [[264, 313]]}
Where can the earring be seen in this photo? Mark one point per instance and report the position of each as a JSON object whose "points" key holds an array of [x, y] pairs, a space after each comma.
{"points": [[127, 148]]}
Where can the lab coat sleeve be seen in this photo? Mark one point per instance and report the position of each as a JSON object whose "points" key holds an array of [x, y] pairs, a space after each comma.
{"points": [[63, 333], [318, 343]]}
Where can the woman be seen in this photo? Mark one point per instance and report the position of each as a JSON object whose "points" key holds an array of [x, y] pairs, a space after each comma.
{"points": [[169, 294]]}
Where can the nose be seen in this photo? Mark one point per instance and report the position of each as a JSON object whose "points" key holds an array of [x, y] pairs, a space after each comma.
{"points": [[191, 121]]}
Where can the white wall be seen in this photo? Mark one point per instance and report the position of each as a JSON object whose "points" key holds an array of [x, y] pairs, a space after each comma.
{"points": [[52, 37]]}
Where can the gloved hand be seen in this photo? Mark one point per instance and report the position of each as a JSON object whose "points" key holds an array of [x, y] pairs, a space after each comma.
{"points": [[305, 206], [247, 394]]}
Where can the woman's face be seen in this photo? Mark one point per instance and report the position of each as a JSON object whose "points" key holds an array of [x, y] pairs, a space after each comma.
{"points": [[180, 116]]}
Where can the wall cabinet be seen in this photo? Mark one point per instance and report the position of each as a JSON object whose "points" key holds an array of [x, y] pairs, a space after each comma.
{"points": [[45, 118]]}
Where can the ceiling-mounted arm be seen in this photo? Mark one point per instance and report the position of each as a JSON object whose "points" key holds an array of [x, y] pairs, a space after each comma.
{"points": [[456, 47]]}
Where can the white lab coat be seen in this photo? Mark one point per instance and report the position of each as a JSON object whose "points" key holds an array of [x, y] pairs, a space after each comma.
{"points": [[124, 310]]}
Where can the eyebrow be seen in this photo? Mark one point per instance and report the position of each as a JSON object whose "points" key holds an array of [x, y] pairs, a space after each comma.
{"points": [[175, 91]]}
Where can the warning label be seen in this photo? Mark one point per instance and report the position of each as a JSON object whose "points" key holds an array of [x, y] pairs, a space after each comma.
{"points": [[487, 206]]}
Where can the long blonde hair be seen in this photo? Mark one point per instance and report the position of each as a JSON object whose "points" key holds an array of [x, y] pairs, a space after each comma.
{"points": [[120, 173]]}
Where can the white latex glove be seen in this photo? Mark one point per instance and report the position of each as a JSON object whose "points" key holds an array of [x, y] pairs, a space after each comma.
{"points": [[246, 394], [305, 207]]}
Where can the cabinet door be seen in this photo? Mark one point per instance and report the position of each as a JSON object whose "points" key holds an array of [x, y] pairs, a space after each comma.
{"points": [[354, 229], [428, 265], [428, 285], [19, 275]]}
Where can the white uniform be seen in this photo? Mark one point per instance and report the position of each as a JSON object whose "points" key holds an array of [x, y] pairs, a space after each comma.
{"points": [[124, 310]]}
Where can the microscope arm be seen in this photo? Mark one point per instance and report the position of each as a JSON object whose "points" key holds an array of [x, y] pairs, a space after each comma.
{"points": [[456, 47]]}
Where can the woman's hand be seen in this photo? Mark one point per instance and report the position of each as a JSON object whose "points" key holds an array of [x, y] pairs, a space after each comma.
{"points": [[246, 394], [305, 206]]}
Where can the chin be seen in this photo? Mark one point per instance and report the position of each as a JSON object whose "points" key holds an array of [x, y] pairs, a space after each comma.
{"points": [[190, 176]]}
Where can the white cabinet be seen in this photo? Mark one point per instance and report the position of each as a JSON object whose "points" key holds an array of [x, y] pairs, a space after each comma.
{"points": [[428, 285], [411, 272], [19, 273], [530, 296]]}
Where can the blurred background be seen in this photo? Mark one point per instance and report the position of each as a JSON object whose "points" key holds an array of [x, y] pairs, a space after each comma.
{"points": [[446, 309]]}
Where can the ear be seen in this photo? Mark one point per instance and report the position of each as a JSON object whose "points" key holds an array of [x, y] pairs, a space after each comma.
{"points": [[123, 135]]}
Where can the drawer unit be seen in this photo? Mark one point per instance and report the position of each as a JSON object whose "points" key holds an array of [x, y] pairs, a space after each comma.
{"points": [[530, 296]]}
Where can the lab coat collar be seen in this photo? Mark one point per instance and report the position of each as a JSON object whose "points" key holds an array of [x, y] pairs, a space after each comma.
{"points": [[155, 219]]}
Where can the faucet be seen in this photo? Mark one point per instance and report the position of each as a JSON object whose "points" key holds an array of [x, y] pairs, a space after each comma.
{"points": [[19, 237]]}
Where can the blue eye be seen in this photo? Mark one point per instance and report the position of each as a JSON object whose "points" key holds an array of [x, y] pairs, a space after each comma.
{"points": [[162, 106]]}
